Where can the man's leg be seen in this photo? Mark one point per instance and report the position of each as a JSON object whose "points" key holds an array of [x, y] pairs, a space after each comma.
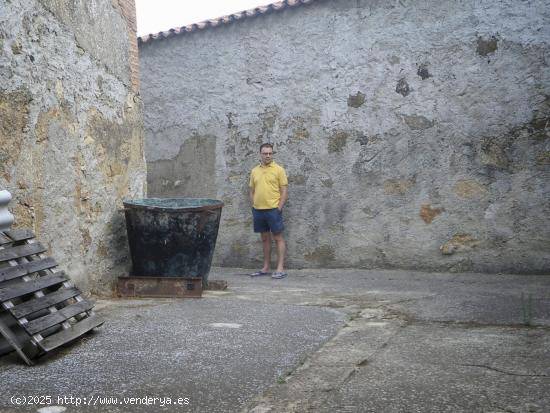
{"points": [[266, 243], [281, 249]]}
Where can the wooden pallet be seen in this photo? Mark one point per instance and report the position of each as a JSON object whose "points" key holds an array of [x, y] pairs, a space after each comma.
{"points": [[40, 310]]}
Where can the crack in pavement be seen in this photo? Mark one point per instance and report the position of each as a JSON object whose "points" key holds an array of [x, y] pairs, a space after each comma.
{"points": [[509, 373], [407, 300], [472, 324]]}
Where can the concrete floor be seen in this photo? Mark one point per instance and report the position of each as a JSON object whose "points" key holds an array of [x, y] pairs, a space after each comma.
{"points": [[318, 341]]}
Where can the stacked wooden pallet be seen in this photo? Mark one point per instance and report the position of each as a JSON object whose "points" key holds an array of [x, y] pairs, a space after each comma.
{"points": [[40, 309]]}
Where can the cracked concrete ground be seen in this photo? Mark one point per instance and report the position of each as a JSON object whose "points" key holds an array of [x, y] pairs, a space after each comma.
{"points": [[319, 341], [418, 342]]}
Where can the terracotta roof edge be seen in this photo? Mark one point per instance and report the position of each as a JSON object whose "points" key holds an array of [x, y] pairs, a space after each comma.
{"points": [[222, 20]]}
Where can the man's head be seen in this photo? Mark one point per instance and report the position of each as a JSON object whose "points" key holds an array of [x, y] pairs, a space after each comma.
{"points": [[266, 153]]}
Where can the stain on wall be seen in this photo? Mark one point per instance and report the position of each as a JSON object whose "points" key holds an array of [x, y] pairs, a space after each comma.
{"points": [[459, 243], [486, 46], [337, 141], [427, 213], [322, 256], [403, 87], [469, 189], [398, 186], [423, 71], [357, 100], [14, 119], [192, 173]]}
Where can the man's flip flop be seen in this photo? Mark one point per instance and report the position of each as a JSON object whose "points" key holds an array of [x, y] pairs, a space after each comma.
{"points": [[259, 273], [278, 275]]}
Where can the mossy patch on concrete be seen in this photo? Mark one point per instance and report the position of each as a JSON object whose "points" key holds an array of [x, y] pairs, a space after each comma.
{"points": [[300, 133], [323, 256], [543, 158], [14, 119], [297, 179], [494, 153], [417, 122], [459, 243], [337, 141], [469, 189], [399, 186]]}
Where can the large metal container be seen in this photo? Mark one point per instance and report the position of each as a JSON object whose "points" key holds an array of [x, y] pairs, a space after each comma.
{"points": [[172, 237]]}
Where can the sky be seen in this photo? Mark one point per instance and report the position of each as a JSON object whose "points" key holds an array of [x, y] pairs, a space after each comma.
{"points": [[154, 16]]}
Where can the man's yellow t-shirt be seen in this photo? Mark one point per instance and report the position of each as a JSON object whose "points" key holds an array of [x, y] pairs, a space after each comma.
{"points": [[266, 182]]}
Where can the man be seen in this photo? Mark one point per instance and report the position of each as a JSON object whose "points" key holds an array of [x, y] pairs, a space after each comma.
{"points": [[268, 194]]}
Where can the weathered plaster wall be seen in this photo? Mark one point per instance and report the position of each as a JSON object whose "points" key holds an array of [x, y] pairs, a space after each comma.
{"points": [[415, 133], [71, 129]]}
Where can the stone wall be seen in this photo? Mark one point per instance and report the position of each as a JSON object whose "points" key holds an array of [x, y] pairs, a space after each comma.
{"points": [[415, 133], [71, 129]]}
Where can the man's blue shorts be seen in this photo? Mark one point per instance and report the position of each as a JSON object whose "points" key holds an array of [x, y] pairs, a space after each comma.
{"points": [[268, 220]]}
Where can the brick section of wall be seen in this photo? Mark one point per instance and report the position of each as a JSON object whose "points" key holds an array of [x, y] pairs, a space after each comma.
{"points": [[128, 10]]}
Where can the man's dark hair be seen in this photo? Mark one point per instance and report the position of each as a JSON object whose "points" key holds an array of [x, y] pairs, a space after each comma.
{"points": [[265, 145]]}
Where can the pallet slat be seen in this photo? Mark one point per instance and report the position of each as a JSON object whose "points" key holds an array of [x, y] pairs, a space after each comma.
{"points": [[42, 323], [19, 234], [65, 336], [4, 239], [23, 288], [11, 338], [40, 303], [27, 268], [21, 251]]}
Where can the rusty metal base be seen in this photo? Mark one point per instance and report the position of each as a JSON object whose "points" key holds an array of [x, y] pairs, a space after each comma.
{"points": [[159, 287]]}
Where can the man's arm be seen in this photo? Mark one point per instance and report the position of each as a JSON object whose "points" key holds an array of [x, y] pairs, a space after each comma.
{"points": [[284, 196], [251, 194]]}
